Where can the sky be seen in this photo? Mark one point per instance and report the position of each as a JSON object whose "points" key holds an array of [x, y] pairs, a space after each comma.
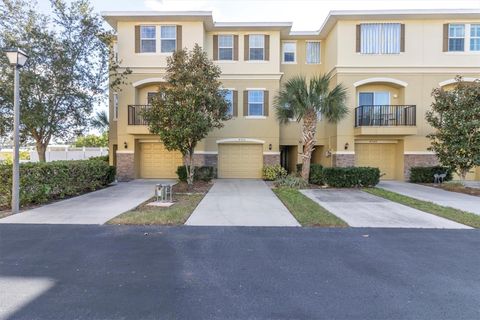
{"points": [[305, 14]]}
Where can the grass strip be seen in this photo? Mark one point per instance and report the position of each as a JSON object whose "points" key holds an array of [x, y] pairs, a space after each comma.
{"points": [[306, 211], [463, 217]]}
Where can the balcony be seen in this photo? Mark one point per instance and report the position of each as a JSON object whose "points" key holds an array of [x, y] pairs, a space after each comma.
{"points": [[386, 120], [135, 114]]}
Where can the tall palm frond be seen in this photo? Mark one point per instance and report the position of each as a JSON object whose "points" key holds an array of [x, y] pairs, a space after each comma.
{"points": [[100, 121]]}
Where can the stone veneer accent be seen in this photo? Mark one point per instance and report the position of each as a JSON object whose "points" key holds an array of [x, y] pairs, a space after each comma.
{"points": [[343, 160], [271, 159], [417, 160], [205, 160], [125, 166]]}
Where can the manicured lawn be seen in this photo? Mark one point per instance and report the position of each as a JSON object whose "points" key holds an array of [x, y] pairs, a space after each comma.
{"points": [[306, 211], [151, 215], [456, 215]]}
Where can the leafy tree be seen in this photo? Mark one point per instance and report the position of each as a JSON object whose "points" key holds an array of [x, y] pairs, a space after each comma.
{"points": [[302, 100], [191, 105], [455, 116], [100, 121], [92, 140], [66, 74]]}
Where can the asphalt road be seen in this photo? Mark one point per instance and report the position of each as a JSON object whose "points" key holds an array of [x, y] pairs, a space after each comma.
{"points": [[113, 272]]}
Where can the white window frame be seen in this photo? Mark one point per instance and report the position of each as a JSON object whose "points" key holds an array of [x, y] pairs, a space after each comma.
{"points": [[251, 47], [470, 37], [150, 39], [162, 39], [465, 42], [381, 40], [374, 94], [220, 47], [319, 51], [294, 52], [262, 116], [115, 106]]}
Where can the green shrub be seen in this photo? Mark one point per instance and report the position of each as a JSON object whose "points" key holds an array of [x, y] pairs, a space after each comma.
{"points": [[316, 173], [103, 158], [425, 174], [273, 172], [205, 173], [350, 177], [45, 181], [291, 181]]}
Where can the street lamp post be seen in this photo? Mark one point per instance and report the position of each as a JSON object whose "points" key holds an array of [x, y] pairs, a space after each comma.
{"points": [[17, 59]]}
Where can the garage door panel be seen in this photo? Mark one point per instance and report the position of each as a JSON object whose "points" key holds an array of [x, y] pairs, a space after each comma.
{"points": [[379, 155], [240, 161], [157, 162]]}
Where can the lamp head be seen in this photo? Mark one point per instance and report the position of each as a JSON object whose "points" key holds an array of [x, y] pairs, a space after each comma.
{"points": [[16, 57]]}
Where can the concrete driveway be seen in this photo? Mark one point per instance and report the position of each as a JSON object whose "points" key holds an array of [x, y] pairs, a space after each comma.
{"points": [[455, 200], [361, 209], [241, 202], [92, 208]]}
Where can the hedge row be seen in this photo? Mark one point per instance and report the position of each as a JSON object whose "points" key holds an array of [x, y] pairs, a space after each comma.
{"points": [[43, 182], [316, 173], [350, 177], [425, 174], [205, 173]]}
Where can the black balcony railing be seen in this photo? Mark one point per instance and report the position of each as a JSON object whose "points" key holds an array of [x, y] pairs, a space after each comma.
{"points": [[135, 114], [386, 115]]}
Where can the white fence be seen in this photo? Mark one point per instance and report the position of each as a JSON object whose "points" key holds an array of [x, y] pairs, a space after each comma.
{"points": [[60, 153]]}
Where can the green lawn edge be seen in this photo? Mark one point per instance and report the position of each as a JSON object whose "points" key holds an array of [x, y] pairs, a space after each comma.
{"points": [[172, 216], [463, 217], [307, 212]]}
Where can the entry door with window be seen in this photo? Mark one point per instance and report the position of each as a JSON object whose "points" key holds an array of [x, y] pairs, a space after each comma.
{"points": [[375, 106]]}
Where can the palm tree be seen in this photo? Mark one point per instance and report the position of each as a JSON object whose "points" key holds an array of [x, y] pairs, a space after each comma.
{"points": [[100, 121], [300, 100]]}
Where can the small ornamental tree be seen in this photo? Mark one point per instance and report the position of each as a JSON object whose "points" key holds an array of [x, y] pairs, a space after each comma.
{"points": [[190, 105], [455, 116]]}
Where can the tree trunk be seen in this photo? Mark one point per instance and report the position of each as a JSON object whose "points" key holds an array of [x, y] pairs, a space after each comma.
{"points": [[190, 168], [463, 176], [309, 129], [41, 150]]}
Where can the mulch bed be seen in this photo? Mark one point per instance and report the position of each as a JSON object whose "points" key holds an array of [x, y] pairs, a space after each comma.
{"points": [[198, 187], [455, 188]]}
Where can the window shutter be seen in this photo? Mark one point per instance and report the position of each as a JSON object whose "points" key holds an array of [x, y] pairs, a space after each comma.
{"points": [[137, 39], [402, 38], [445, 37], [245, 103], [267, 47], [179, 38], [215, 47], [235, 103], [266, 104], [246, 48], [359, 37], [235, 47]]}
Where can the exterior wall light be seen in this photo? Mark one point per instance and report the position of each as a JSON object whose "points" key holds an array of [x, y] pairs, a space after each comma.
{"points": [[270, 146], [346, 146], [125, 145]]}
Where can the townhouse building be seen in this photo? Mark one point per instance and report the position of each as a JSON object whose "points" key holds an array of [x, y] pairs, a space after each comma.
{"points": [[390, 61]]}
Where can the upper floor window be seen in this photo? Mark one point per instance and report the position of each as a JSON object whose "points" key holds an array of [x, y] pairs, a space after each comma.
{"points": [[256, 44], [289, 52], [312, 49], [380, 38], [475, 37], [456, 37], [229, 100], [225, 47], [148, 38], [255, 102], [168, 38]]}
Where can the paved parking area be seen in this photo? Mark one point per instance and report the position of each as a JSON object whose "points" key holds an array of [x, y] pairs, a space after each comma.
{"points": [[92, 208], [241, 202], [455, 200], [361, 209], [226, 273]]}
